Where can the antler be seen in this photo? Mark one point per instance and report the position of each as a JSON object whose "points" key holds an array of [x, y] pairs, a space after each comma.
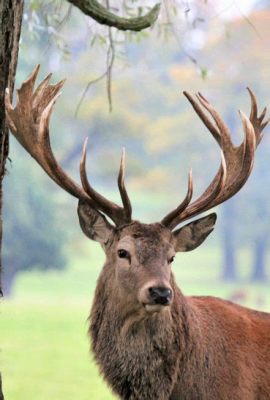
{"points": [[29, 122], [236, 161]]}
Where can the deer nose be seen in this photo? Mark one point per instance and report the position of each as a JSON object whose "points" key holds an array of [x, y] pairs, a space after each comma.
{"points": [[160, 295]]}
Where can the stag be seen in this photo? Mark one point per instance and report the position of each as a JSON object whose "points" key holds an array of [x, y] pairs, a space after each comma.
{"points": [[152, 342]]}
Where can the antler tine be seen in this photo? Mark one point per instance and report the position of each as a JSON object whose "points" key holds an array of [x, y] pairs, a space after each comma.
{"points": [[27, 87], [236, 162], [118, 214], [32, 129], [43, 95], [224, 133], [204, 118], [122, 188], [203, 202], [49, 162], [254, 107], [29, 122], [182, 206], [257, 121]]}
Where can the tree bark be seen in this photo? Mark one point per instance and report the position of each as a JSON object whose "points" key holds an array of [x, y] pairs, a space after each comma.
{"points": [[10, 29], [100, 14], [1, 389]]}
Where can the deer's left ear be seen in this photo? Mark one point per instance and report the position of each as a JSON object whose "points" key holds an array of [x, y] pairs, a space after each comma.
{"points": [[193, 234]]}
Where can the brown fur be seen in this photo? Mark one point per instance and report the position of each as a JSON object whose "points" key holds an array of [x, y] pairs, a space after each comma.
{"points": [[200, 348]]}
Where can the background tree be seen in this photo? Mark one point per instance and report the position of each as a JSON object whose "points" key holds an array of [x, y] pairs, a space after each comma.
{"points": [[10, 28], [33, 236]]}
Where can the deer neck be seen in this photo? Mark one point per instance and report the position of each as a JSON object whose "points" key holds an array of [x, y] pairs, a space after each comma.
{"points": [[134, 344]]}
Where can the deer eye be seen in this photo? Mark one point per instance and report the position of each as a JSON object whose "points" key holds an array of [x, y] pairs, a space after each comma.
{"points": [[171, 259], [123, 254]]}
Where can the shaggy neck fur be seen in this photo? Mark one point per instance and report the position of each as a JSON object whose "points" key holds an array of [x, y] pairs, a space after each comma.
{"points": [[143, 356]]}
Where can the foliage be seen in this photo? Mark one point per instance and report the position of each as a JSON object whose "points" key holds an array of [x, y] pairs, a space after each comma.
{"points": [[50, 20], [33, 236]]}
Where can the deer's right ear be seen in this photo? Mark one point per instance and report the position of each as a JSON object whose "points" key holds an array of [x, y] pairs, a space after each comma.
{"points": [[94, 224]]}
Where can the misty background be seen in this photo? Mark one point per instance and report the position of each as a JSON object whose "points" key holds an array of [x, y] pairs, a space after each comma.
{"points": [[49, 267]]}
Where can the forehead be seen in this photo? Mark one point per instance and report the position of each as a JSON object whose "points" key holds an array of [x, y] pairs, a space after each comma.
{"points": [[150, 237]]}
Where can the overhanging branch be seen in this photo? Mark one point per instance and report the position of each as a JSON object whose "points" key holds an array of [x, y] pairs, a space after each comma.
{"points": [[100, 14]]}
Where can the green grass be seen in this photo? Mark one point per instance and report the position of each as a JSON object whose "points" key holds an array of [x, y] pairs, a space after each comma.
{"points": [[45, 353], [44, 344]]}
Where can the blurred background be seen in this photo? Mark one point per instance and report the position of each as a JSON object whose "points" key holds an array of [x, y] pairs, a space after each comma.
{"points": [[125, 90]]}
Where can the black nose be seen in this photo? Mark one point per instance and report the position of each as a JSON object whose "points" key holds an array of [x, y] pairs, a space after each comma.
{"points": [[160, 295]]}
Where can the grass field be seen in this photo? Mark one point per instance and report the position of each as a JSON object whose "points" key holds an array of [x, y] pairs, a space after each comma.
{"points": [[44, 345]]}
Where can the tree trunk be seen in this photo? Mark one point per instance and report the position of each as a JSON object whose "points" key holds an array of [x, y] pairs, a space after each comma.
{"points": [[1, 389], [259, 260], [8, 279], [228, 243], [10, 29]]}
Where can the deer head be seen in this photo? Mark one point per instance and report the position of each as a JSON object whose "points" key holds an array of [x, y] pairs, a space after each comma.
{"points": [[139, 256]]}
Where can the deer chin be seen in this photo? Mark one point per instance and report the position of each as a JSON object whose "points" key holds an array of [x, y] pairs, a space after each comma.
{"points": [[153, 308]]}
